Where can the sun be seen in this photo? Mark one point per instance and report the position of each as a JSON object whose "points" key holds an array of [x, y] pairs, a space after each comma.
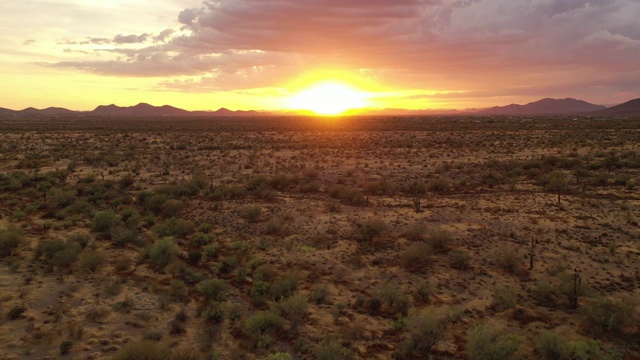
{"points": [[328, 98]]}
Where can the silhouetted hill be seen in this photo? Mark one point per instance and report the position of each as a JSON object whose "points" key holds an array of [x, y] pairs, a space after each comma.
{"points": [[544, 107], [47, 111], [142, 109], [630, 108], [5, 112]]}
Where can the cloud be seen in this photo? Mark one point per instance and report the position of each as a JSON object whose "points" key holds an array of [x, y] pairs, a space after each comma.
{"points": [[130, 39], [450, 44]]}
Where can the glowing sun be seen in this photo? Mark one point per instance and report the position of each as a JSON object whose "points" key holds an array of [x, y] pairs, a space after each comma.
{"points": [[328, 98]]}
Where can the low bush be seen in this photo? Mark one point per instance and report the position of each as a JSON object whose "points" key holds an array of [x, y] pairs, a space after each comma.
{"points": [[284, 286], [504, 299], [488, 343], [332, 350], [440, 240], [144, 350], [103, 221], [162, 252], [551, 346], [92, 260], [425, 332], [213, 289], [416, 257], [610, 315], [10, 238], [508, 259], [319, 293], [295, 309], [369, 229], [459, 259], [250, 213]]}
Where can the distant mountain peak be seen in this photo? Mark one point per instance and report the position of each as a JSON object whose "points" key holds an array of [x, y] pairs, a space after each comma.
{"points": [[546, 106]]}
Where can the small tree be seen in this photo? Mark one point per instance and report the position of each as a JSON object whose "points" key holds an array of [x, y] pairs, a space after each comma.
{"points": [[425, 332], [295, 309], [162, 252], [368, 229], [103, 221]]}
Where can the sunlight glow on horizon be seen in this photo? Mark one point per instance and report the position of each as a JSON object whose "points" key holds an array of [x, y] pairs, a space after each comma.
{"points": [[328, 98]]}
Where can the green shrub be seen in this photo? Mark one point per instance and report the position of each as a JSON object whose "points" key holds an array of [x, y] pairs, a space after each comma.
{"points": [[440, 240], [81, 238], [319, 293], [369, 229], [103, 221], [508, 259], [415, 231], [201, 239], [347, 195], [394, 297], [144, 350], [58, 252], [551, 346], [332, 350], [162, 252], [213, 313], [264, 322], [591, 350], [172, 207], [459, 259], [213, 289], [61, 198], [416, 256], [610, 315], [438, 184], [284, 286], [543, 293], [122, 236], [174, 227], [279, 356], [131, 217], [92, 260], [425, 332], [423, 291], [504, 299], [295, 309], [264, 272], [211, 251], [10, 238], [488, 343], [251, 213]]}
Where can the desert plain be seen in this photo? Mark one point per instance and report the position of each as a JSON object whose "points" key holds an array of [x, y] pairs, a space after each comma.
{"points": [[319, 238]]}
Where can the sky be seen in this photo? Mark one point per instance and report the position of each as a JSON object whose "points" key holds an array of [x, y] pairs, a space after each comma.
{"points": [[256, 54]]}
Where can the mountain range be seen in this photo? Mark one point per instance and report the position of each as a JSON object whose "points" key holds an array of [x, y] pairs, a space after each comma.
{"points": [[545, 106], [142, 109]]}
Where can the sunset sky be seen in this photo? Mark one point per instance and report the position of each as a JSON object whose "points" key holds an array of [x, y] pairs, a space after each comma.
{"points": [[258, 54]]}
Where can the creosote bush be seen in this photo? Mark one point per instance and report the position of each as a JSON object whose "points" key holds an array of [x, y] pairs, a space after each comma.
{"points": [[425, 332], [10, 238], [416, 256], [332, 350], [213, 289], [162, 252], [251, 213], [103, 221], [459, 259], [440, 240], [368, 229], [508, 259], [488, 343]]}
